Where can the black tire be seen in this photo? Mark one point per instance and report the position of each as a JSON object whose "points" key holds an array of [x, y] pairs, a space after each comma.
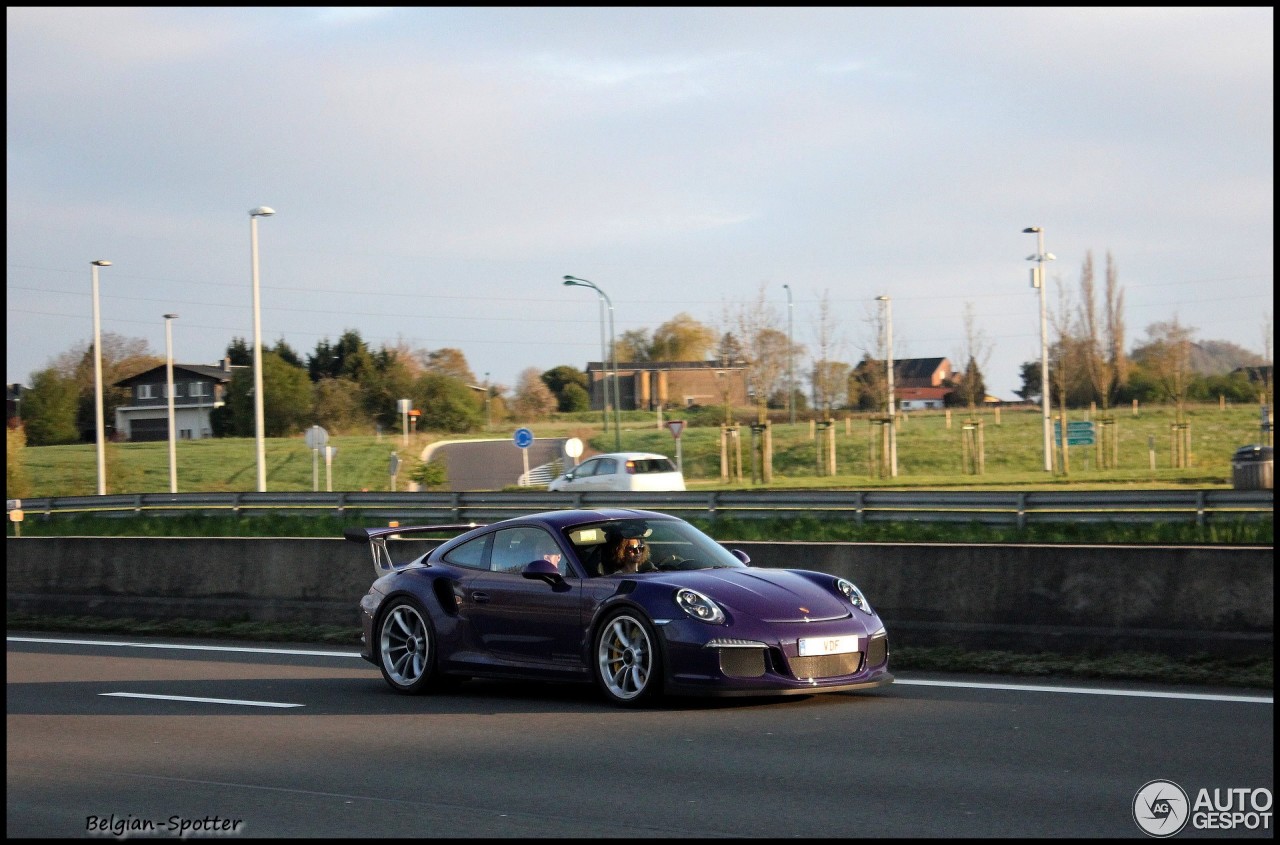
{"points": [[407, 648], [627, 661]]}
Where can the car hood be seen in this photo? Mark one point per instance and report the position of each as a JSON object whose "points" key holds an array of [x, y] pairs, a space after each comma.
{"points": [[771, 595]]}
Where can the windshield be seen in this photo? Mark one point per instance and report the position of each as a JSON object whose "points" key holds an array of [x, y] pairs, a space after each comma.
{"points": [[668, 545]]}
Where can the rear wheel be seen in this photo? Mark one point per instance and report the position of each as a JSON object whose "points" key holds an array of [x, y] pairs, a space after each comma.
{"points": [[407, 648], [628, 666]]}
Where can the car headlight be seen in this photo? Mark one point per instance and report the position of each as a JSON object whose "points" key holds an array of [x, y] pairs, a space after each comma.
{"points": [[850, 591], [699, 606]]}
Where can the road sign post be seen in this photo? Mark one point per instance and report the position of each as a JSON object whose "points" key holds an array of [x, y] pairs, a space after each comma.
{"points": [[524, 439], [677, 428], [317, 438], [1079, 432]]}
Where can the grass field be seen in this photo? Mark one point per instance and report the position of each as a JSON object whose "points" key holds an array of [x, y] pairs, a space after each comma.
{"points": [[930, 455]]}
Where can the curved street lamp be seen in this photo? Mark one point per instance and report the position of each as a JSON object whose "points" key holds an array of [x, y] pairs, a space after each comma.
{"points": [[258, 414], [173, 435], [604, 362], [1037, 281], [100, 434]]}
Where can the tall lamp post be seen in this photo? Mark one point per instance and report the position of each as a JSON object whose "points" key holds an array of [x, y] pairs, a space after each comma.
{"points": [[893, 434], [173, 434], [258, 415], [791, 378], [1037, 281], [617, 391], [488, 414], [97, 381]]}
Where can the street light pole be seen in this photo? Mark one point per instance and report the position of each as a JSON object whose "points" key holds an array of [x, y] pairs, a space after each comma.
{"points": [[258, 414], [791, 378], [488, 414], [100, 434], [1038, 281], [893, 434], [173, 435], [617, 390]]}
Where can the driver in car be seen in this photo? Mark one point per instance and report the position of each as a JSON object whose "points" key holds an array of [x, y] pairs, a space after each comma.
{"points": [[626, 555]]}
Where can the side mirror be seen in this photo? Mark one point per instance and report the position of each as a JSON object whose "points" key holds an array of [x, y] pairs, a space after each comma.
{"points": [[740, 555], [543, 570], [568, 476]]}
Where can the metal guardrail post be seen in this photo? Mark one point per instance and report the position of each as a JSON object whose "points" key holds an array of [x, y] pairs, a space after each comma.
{"points": [[1022, 511], [1200, 508]]}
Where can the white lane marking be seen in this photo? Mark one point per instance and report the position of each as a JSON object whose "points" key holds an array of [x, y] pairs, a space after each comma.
{"points": [[1186, 696], [185, 647], [200, 700], [1189, 696]]}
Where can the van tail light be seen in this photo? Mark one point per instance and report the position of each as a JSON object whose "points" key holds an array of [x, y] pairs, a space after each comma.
{"points": [[631, 467]]}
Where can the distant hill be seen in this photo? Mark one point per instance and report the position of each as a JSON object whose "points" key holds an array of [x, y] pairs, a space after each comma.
{"points": [[1219, 357]]}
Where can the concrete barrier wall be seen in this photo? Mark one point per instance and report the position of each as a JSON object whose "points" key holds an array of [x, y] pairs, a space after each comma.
{"points": [[1028, 598]]}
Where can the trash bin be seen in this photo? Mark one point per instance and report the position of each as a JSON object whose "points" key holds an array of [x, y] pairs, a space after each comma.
{"points": [[1251, 468]]}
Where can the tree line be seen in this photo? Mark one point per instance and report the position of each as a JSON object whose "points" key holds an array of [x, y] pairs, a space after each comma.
{"points": [[348, 387]]}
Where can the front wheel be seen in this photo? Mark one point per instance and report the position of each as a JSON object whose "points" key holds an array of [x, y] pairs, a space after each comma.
{"points": [[407, 648], [628, 665]]}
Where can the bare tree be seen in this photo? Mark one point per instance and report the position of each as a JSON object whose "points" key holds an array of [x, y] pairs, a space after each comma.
{"points": [[764, 347], [829, 378], [1105, 364], [1115, 334], [976, 354], [1168, 358]]}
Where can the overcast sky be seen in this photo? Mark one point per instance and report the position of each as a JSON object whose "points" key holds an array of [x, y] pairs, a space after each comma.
{"points": [[435, 172]]}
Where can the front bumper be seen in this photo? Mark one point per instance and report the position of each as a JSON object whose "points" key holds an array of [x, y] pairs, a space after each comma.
{"points": [[698, 664]]}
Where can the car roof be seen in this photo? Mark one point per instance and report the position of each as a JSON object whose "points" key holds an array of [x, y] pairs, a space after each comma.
{"points": [[628, 455], [570, 518]]}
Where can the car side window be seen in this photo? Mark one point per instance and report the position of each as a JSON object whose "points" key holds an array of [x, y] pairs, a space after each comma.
{"points": [[606, 466], [470, 554], [585, 470], [514, 548]]}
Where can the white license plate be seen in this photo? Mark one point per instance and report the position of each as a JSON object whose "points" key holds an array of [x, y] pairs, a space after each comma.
{"points": [[810, 646]]}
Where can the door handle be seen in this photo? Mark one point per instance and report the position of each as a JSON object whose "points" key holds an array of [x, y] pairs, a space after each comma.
{"points": [[480, 598]]}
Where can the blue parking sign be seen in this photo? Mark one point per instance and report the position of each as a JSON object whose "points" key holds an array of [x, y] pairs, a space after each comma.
{"points": [[523, 438]]}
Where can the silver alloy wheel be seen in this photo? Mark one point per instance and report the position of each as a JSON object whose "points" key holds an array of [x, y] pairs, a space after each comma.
{"points": [[405, 645], [625, 658]]}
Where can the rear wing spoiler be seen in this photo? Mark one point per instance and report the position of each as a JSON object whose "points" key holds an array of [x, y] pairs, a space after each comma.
{"points": [[377, 540]]}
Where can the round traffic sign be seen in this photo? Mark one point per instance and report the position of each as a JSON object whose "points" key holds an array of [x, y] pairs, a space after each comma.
{"points": [[573, 447], [317, 437], [523, 438]]}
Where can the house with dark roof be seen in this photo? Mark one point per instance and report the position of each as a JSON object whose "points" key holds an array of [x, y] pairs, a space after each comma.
{"points": [[198, 389], [923, 372]]}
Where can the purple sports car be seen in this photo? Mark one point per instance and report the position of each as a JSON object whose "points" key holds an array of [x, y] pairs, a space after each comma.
{"points": [[550, 596]]}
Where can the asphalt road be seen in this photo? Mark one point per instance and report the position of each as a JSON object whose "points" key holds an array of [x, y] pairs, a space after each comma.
{"points": [[257, 742], [493, 464]]}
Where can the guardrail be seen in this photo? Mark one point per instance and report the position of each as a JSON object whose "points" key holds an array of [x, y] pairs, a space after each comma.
{"points": [[985, 507]]}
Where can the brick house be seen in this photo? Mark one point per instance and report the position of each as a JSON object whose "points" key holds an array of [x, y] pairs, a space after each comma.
{"points": [[198, 389], [672, 384]]}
